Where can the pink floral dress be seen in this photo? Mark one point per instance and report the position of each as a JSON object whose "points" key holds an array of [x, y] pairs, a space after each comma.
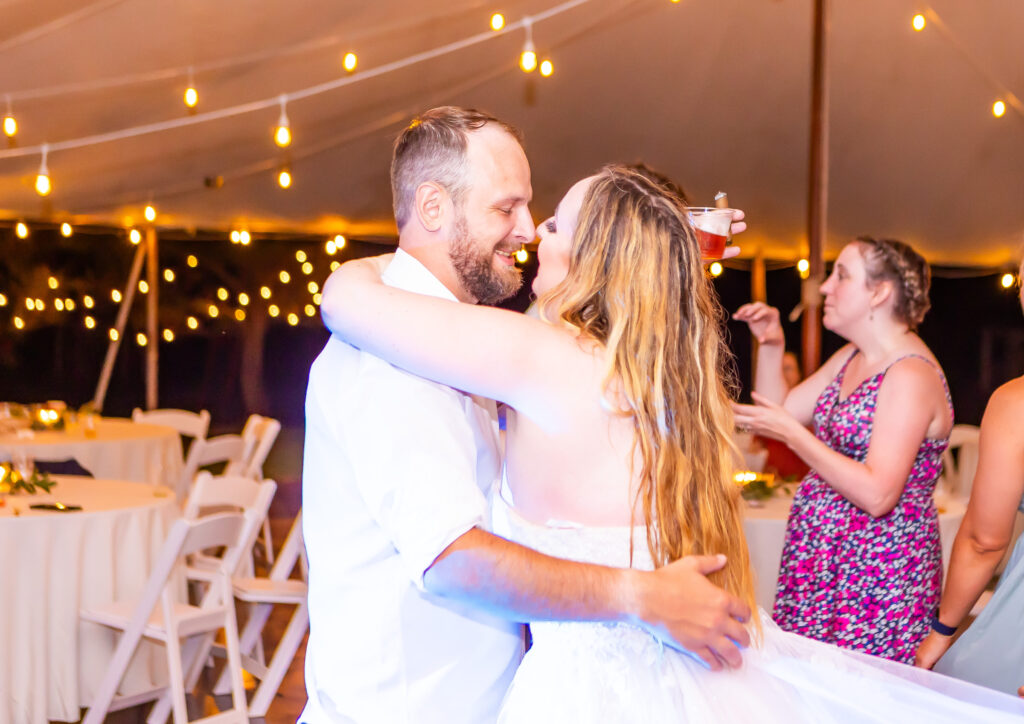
{"points": [[847, 578]]}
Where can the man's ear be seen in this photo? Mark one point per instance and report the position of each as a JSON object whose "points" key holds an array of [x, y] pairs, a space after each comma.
{"points": [[431, 205]]}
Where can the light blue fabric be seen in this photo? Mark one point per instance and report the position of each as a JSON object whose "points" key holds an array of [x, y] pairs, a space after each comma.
{"points": [[991, 651]]}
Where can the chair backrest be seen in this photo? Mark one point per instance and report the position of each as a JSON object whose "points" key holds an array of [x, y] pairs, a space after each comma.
{"points": [[192, 424], [252, 497], [210, 451], [293, 551], [958, 470], [258, 437]]}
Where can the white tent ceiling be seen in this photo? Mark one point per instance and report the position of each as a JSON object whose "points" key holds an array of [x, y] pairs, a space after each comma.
{"points": [[713, 92]]}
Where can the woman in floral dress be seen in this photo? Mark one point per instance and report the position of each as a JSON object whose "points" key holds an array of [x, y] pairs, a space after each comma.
{"points": [[861, 566]]}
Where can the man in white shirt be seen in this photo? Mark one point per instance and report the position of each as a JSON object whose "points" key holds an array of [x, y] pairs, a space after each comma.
{"points": [[411, 600]]}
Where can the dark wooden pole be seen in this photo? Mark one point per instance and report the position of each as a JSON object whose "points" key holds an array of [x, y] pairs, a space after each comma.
{"points": [[817, 190], [152, 326]]}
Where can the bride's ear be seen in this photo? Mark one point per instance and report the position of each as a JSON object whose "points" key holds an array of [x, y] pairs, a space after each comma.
{"points": [[431, 205]]}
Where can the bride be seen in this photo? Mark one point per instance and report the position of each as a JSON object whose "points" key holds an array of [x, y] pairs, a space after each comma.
{"points": [[619, 452]]}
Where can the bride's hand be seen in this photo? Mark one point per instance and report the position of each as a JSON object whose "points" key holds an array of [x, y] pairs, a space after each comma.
{"points": [[351, 274], [685, 610]]}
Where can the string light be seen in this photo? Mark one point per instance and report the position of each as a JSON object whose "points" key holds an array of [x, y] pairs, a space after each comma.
{"points": [[316, 298], [307, 268], [43, 185], [335, 264], [522, 255], [40, 305], [212, 311], [283, 132], [715, 269], [284, 178], [52, 282], [918, 22], [88, 302], [144, 286], [135, 236], [192, 261], [192, 323], [69, 304], [10, 124], [141, 340], [313, 287], [65, 230], [293, 319], [150, 213], [310, 310], [114, 336], [1007, 280], [115, 296], [998, 109], [497, 21], [349, 62], [30, 304], [300, 256], [528, 58], [265, 292], [235, 236], [804, 268], [240, 315], [273, 310], [222, 294], [90, 323], [21, 230], [58, 304], [330, 247], [284, 276], [168, 275], [3, 300], [191, 94], [168, 335], [546, 69], [243, 299], [244, 238], [19, 323], [339, 241]]}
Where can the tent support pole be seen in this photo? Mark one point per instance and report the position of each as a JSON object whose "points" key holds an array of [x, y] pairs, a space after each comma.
{"points": [[152, 308], [817, 190], [122, 318]]}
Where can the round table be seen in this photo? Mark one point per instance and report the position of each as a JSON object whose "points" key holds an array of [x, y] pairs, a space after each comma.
{"points": [[120, 450], [54, 564], [765, 526]]}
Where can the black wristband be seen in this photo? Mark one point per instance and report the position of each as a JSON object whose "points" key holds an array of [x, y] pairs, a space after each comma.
{"points": [[939, 627]]}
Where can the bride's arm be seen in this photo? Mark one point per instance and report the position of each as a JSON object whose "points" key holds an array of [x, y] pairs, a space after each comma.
{"points": [[491, 352]]}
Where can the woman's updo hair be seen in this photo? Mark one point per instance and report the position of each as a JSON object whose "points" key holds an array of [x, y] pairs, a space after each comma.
{"points": [[911, 277]]}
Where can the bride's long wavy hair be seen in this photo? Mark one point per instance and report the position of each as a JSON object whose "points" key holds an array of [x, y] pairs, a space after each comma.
{"points": [[636, 284]]}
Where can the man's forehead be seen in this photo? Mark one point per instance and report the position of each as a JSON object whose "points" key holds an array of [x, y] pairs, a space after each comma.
{"points": [[495, 155]]}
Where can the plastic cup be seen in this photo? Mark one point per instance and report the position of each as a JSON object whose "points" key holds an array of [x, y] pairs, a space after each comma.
{"points": [[714, 229]]}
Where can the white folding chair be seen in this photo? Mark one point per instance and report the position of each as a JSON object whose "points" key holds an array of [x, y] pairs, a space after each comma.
{"points": [[258, 436], [190, 424], [228, 449], [173, 621], [958, 470], [253, 498], [263, 594]]}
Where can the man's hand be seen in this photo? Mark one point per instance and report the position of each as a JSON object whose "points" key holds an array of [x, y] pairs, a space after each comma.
{"points": [[931, 649], [681, 607]]}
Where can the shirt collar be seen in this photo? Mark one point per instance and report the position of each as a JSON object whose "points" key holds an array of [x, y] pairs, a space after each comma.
{"points": [[406, 272]]}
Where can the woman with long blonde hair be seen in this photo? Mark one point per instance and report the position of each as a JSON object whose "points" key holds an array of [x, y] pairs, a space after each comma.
{"points": [[618, 452]]}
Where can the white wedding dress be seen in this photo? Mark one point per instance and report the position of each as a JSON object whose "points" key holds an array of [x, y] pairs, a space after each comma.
{"points": [[611, 673]]}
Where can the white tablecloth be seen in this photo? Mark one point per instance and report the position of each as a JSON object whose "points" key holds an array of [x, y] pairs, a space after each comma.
{"points": [[120, 450], [53, 565], [766, 533]]}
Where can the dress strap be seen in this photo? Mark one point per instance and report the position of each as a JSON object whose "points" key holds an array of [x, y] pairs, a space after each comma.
{"points": [[938, 370]]}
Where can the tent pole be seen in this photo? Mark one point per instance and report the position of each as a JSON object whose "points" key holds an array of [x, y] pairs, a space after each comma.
{"points": [[122, 318], [152, 307], [758, 293], [817, 190]]}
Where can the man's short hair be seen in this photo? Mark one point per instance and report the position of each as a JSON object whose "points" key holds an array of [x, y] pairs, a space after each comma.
{"points": [[433, 148]]}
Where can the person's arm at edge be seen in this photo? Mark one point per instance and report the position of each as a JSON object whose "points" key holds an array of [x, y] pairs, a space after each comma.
{"points": [[676, 603]]}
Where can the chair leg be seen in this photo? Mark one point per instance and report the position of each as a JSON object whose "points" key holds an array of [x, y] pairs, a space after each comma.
{"points": [[258, 615], [234, 660], [283, 656], [268, 544], [115, 672], [186, 656], [176, 676]]}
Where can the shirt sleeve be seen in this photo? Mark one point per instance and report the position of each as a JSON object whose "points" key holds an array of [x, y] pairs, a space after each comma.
{"points": [[413, 456]]}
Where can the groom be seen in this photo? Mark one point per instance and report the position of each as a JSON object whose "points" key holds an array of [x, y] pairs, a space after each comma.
{"points": [[412, 602]]}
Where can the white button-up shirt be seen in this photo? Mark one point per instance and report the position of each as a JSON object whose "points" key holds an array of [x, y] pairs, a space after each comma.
{"points": [[396, 468]]}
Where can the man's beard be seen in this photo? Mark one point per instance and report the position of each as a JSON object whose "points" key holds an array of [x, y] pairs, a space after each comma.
{"points": [[475, 268]]}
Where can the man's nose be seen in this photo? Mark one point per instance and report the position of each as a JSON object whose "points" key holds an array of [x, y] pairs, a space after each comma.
{"points": [[524, 230]]}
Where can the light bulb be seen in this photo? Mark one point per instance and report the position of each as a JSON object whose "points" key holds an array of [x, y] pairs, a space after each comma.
{"points": [[19, 323], [192, 261], [168, 335], [235, 236], [88, 301], [212, 311], [240, 315], [335, 264], [10, 126], [114, 336], [546, 68], [52, 282], [192, 323], [90, 323], [313, 287], [316, 298], [307, 268], [115, 296], [273, 310], [3, 300], [330, 247], [43, 185], [69, 304], [169, 275], [998, 109], [293, 319], [350, 61], [30, 304], [803, 266], [283, 133], [310, 310], [522, 255], [918, 22], [715, 269], [243, 299], [58, 304], [285, 277], [21, 230], [143, 286], [284, 179], [1007, 280], [244, 238], [222, 294], [300, 256], [497, 21], [141, 340], [528, 60], [265, 292], [135, 236], [66, 230], [150, 213], [191, 97], [339, 241]]}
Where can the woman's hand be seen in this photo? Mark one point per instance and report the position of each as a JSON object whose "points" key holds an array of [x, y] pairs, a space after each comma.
{"points": [[931, 649], [763, 322], [738, 224], [345, 281], [766, 418]]}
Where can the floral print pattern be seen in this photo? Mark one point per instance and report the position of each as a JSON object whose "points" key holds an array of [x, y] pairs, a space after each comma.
{"points": [[850, 579]]}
